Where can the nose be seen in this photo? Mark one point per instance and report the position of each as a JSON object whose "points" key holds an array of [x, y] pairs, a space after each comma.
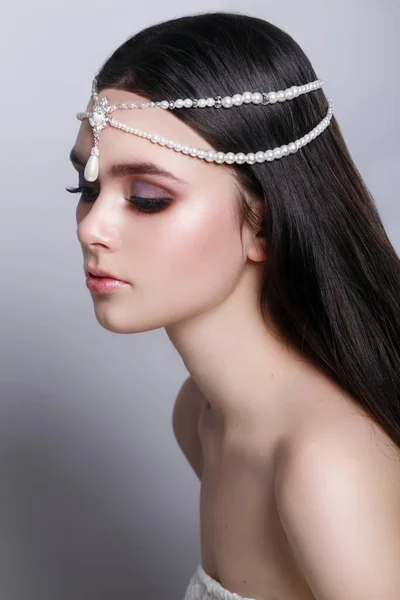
{"points": [[99, 224]]}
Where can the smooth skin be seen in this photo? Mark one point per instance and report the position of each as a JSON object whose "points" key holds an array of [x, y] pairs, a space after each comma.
{"points": [[300, 489]]}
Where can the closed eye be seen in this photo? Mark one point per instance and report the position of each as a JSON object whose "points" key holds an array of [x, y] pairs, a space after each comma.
{"points": [[145, 205]]}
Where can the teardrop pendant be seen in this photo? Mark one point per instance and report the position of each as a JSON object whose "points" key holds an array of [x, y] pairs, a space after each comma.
{"points": [[91, 171]]}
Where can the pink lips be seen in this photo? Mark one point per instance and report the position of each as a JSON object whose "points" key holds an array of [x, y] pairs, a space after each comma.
{"points": [[102, 282], [103, 285]]}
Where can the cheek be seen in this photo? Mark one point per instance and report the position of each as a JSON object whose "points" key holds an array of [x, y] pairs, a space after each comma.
{"points": [[195, 259]]}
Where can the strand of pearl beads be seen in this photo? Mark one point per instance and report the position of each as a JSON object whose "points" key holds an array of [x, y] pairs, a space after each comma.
{"points": [[231, 157], [263, 98]]}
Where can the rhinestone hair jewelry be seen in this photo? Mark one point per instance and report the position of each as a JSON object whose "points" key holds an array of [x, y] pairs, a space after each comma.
{"points": [[99, 118]]}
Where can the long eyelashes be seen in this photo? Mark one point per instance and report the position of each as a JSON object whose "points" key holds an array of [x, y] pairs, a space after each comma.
{"points": [[145, 205]]}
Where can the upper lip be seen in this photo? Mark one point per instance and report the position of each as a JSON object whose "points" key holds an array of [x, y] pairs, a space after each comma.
{"points": [[97, 272]]}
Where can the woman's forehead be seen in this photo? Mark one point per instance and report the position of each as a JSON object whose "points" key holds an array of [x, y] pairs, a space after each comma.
{"points": [[118, 146], [152, 120]]}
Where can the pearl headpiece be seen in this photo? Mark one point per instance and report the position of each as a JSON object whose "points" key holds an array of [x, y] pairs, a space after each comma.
{"points": [[99, 118]]}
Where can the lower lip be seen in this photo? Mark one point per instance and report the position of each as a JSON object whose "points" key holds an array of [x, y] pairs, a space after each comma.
{"points": [[104, 285]]}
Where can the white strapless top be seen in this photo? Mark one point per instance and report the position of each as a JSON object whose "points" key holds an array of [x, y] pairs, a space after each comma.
{"points": [[203, 587]]}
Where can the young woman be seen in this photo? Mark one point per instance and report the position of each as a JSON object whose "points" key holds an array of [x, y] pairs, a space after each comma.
{"points": [[270, 269]]}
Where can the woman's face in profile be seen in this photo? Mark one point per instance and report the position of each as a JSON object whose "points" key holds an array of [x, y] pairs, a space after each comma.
{"points": [[180, 256]]}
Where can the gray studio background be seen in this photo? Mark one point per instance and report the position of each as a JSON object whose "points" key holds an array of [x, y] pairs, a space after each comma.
{"points": [[96, 499]]}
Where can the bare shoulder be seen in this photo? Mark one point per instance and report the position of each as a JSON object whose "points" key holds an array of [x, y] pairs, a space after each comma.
{"points": [[337, 491], [185, 418], [342, 424], [339, 437]]}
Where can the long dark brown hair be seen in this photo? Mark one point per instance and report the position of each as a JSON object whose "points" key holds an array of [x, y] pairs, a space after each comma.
{"points": [[331, 280]]}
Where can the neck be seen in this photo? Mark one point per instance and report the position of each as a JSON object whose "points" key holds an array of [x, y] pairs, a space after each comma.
{"points": [[235, 358]]}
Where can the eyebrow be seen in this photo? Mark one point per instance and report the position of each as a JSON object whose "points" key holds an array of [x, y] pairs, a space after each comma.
{"points": [[132, 168]]}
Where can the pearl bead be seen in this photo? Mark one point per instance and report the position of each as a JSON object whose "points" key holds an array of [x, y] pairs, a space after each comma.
{"points": [[193, 151], [256, 98], [247, 97], [272, 97], [97, 118], [240, 158], [179, 103], [230, 158], [260, 157], [202, 103], [281, 96], [277, 152], [210, 156], [162, 141], [185, 150], [187, 103], [292, 148], [220, 157], [237, 99], [298, 144], [251, 158], [164, 104], [178, 147], [210, 101], [269, 155], [289, 94], [92, 168], [170, 144], [295, 90], [285, 150], [227, 102], [202, 153]]}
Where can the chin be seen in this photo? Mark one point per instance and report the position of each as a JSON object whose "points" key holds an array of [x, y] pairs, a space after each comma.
{"points": [[118, 322]]}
